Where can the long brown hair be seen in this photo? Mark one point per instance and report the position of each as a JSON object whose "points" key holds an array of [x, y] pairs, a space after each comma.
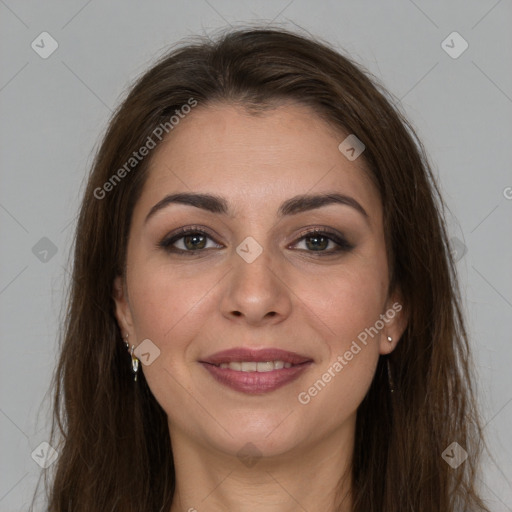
{"points": [[112, 435]]}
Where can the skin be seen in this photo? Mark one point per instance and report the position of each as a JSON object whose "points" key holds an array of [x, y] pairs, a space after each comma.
{"points": [[289, 297]]}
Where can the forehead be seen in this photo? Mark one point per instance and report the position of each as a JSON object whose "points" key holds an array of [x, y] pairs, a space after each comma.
{"points": [[257, 159]]}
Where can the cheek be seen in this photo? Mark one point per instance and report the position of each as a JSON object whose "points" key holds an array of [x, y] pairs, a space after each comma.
{"points": [[169, 310], [348, 300], [170, 303], [160, 299], [349, 313], [349, 305]]}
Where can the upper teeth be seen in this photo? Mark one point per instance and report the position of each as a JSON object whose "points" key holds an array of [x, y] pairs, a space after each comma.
{"points": [[254, 366]]}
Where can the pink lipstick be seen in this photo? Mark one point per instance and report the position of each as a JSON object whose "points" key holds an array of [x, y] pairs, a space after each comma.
{"points": [[256, 371]]}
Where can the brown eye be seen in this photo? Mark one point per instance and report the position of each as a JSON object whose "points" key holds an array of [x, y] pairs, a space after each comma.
{"points": [[191, 239], [318, 240], [194, 240]]}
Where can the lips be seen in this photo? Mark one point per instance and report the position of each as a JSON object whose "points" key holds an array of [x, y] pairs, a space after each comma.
{"points": [[288, 367], [259, 356]]}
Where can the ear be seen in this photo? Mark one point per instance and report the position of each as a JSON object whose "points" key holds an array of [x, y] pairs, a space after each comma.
{"points": [[395, 317], [122, 310]]}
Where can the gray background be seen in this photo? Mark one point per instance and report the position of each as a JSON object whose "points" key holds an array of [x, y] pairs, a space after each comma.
{"points": [[54, 110]]}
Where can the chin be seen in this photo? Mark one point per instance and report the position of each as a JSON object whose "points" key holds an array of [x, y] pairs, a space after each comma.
{"points": [[260, 439]]}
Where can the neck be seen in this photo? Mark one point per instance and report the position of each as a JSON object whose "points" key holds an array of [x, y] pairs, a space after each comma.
{"points": [[313, 477]]}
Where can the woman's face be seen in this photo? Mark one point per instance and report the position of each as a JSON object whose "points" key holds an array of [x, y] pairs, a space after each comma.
{"points": [[253, 281]]}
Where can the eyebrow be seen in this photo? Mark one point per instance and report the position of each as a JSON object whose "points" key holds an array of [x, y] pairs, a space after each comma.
{"points": [[292, 206]]}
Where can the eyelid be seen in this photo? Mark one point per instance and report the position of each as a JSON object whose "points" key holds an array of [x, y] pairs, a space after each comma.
{"points": [[184, 231], [338, 238]]}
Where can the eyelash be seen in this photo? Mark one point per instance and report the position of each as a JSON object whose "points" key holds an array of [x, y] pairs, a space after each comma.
{"points": [[343, 245]]}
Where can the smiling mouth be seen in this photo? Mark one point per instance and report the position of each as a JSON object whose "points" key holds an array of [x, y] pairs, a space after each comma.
{"points": [[256, 377], [265, 359], [256, 371], [253, 366]]}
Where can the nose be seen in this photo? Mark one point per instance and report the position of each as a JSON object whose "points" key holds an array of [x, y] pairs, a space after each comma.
{"points": [[257, 292]]}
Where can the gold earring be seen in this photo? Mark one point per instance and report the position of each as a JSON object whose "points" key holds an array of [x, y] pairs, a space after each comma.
{"points": [[135, 364], [135, 361]]}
